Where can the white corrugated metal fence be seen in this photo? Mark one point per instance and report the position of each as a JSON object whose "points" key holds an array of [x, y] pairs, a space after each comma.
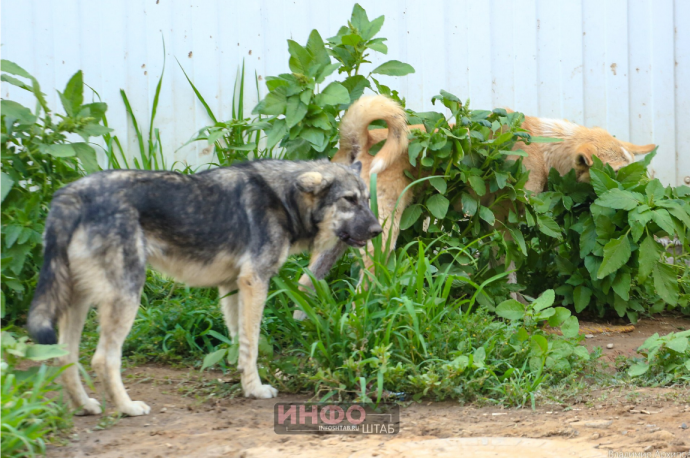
{"points": [[622, 65]]}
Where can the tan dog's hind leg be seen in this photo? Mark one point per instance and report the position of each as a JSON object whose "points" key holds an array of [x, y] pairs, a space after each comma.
{"points": [[253, 291], [229, 304], [71, 324], [117, 314]]}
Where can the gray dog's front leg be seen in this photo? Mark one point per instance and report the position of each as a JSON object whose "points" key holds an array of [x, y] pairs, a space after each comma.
{"points": [[319, 265]]}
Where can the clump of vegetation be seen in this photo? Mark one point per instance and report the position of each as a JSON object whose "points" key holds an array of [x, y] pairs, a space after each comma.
{"points": [[665, 359], [29, 415], [37, 160], [606, 256]]}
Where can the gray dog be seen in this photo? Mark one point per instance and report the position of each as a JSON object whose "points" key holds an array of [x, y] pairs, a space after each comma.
{"points": [[231, 228]]}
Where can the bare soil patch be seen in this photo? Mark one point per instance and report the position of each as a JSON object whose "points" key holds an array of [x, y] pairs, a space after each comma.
{"points": [[186, 421]]}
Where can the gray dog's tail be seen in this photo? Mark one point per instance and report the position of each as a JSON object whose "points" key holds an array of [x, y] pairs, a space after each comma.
{"points": [[54, 288]]}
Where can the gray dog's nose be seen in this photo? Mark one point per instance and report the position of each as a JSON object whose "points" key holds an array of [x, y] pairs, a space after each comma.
{"points": [[375, 230]]}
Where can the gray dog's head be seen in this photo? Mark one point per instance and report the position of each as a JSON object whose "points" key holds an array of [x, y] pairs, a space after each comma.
{"points": [[341, 203]]}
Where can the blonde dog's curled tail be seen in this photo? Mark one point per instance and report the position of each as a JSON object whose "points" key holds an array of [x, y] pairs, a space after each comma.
{"points": [[354, 133]]}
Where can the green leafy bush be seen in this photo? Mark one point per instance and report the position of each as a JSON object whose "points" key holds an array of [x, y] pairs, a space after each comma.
{"points": [[666, 359], [37, 159], [302, 117], [607, 258], [29, 416]]}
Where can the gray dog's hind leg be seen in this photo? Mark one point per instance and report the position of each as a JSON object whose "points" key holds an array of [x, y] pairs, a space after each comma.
{"points": [[71, 324], [320, 265], [115, 280]]}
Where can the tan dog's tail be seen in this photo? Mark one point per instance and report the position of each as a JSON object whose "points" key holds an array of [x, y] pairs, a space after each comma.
{"points": [[354, 133]]}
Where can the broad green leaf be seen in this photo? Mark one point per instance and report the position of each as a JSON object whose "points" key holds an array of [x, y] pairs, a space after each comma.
{"points": [[460, 363], [469, 204], [631, 174], [413, 152], [487, 215], [588, 239], [373, 28], [437, 205], [327, 71], [274, 103], [539, 345], [619, 305], [548, 226], [317, 49], [616, 254], [478, 357], [655, 190], [296, 110], [559, 317], [663, 220], [355, 86], [377, 45], [38, 352], [510, 310], [74, 93], [93, 130], [570, 327], [518, 238], [439, 183], [351, 39], [665, 282], [649, 254], [679, 344], [6, 184], [522, 334], [276, 133], [57, 150], [581, 352], [333, 94], [410, 216], [394, 68], [601, 182], [621, 284], [618, 199], [638, 369], [94, 110], [300, 58], [321, 121], [501, 179], [14, 110], [87, 156], [581, 297], [10, 67], [233, 354], [213, 358], [316, 137], [478, 185], [545, 300]]}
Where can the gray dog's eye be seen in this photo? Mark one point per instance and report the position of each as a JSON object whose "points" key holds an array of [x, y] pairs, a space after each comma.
{"points": [[351, 199]]}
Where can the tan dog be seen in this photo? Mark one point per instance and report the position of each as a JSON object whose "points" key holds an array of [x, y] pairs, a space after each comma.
{"points": [[575, 151]]}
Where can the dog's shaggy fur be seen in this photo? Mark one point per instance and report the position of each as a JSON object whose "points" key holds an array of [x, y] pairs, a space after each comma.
{"points": [[231, 228]]}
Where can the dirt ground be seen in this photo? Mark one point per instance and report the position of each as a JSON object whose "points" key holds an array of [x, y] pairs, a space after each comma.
{"points": [[187, 422]]}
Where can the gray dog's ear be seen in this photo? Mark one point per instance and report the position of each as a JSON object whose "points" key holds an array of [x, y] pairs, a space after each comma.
{"points": [[314, 182], [357, 167]]}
